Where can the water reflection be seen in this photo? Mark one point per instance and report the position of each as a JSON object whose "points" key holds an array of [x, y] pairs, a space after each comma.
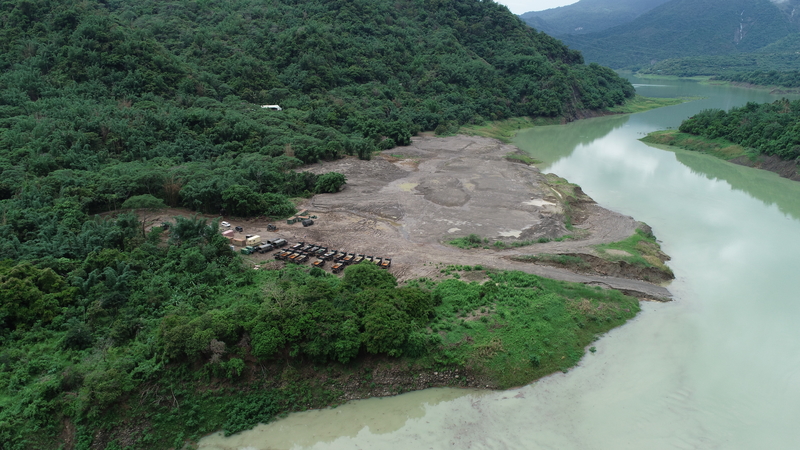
{"points": [[357, 419], [551, 143]]}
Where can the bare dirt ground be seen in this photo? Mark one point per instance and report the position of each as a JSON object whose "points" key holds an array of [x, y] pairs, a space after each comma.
{"points": [[406, 203]]}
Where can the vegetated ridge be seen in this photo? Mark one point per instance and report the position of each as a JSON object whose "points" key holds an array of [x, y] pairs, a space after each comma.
{"points": [[588, 16], [115, 336], [690, 28]]}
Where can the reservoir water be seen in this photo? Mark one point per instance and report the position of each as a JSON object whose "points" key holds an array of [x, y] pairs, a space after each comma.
{"points": [[717, 368]]}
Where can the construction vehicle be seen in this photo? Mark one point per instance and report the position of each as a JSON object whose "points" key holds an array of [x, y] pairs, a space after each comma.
{"points": [[337, 268], [319, 263], [386, 263], [249, 250]]}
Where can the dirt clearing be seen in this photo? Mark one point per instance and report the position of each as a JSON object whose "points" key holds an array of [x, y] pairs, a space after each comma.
{"points": [[408, 202]]}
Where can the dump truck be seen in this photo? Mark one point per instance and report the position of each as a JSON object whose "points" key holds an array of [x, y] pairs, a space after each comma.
{"points": [[358, 259], [298, 246], [301, 258], [328, 256], [386, 263], [369, 258], [348, 258], [318, 263], [378, 261], [337, 268]]}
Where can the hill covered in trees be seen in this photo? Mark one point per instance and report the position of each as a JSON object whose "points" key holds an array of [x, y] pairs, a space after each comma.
{"points": [[136, 105], [588, 16], [691, 28]]}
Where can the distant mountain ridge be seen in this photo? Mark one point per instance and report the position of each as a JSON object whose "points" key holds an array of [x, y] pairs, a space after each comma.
{"points": [[685, 28], [588, 16]]}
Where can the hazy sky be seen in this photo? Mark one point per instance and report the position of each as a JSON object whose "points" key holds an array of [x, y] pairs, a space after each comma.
{"points": [[523, 6]]}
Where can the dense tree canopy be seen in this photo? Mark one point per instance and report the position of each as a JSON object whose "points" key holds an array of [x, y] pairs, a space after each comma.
{"points": [[768, 128]]}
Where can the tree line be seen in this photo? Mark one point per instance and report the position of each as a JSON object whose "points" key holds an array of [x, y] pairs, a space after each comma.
{"points": [[767, 128]]}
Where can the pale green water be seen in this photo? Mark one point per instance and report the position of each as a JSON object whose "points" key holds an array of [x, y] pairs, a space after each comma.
{"points": [[718, 368]]}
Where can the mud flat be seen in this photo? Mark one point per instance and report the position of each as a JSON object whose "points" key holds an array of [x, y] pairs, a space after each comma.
{"points": [[408, 202]]}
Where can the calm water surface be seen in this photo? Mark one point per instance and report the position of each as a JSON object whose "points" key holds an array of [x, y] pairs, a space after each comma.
{"points": [[718, 368]]}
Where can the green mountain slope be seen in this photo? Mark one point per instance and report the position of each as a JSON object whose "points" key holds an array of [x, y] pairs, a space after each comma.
{"points": [[588, 16], [111, 337], [683, 28]]}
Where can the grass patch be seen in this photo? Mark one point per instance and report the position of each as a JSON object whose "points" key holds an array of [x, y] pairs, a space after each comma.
{"points": [[541, 240], [641, 249], [522, 158], [719, 147], [529, 326], [467, 242], [504, 130], [562, 260]]}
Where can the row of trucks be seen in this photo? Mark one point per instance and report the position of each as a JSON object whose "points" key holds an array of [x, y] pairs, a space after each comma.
{"points": [[264, 247], [301, 252]]}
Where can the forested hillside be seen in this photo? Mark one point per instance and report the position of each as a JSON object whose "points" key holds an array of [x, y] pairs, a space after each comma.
{"points": [[683, 28], [768, 128], [111, 335], [588, 16]]}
